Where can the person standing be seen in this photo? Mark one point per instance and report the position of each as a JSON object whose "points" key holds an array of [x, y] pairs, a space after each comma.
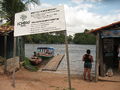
{"points": [[88, 59]]}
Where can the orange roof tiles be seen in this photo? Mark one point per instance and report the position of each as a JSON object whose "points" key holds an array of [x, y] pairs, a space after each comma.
{"points": [[4, 29], [105, 27]]}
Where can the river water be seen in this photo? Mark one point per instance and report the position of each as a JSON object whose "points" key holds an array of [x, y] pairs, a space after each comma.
{"points": [[75, 55]]}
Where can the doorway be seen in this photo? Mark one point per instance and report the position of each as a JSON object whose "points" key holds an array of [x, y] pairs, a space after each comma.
{"points": [[110, 53], [115, 60]]}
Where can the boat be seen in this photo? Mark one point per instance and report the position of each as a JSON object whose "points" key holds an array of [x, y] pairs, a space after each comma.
{"points": [[45, 52], [35, 60]]}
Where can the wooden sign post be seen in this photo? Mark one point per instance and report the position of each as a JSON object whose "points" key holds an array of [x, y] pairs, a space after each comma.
{"points": [[5, 53], [97, 58], [14, 54], [67, 57]]}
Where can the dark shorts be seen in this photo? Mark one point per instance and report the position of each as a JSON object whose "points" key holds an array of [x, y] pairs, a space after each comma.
{"points": [[88, 65]]}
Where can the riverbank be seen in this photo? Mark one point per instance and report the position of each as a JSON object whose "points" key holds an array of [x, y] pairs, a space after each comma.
{"points": [[26, 80]]}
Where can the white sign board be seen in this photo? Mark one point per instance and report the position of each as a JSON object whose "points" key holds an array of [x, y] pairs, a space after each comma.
{"points": [[34, 22]]}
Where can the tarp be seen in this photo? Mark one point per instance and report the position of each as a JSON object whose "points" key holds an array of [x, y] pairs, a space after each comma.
{"points": [[110, 33]]}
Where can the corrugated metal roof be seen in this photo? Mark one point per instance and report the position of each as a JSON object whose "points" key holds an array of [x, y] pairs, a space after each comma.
{"points": [[113, 25], [6, 29]]}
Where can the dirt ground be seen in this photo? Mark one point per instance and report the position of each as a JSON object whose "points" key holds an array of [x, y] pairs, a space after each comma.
{"points": [[26, 80]]}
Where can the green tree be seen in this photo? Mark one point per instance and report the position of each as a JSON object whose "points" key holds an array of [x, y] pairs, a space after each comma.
{"points": [[70, 39], [86, 31], [46, 38], [10, 7], [28, 39], [84, 38]]}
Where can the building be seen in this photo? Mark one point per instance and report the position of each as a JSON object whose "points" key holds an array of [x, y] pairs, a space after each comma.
{"points": [[108, 39], [7, 43]]}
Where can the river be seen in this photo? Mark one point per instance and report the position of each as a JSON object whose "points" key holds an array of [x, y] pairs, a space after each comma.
{"points": [[75, 55]]}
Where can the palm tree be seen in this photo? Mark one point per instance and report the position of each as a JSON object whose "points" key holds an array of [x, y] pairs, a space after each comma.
{"points": [[10, 7]]}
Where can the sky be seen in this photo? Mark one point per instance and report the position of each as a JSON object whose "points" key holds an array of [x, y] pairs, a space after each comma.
{"points": [[86, 14]]}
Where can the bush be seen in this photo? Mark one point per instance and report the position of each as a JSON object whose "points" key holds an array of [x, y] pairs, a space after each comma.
{"points": [[28, 65]]}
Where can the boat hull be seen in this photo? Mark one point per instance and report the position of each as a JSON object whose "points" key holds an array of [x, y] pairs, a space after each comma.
{"points": [[46, 57]]}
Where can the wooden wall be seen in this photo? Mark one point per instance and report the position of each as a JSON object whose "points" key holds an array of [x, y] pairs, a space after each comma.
{"points": [[20, 50]]}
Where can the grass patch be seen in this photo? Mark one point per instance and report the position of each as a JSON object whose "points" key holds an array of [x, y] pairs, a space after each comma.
{"points": [[28, 65]]}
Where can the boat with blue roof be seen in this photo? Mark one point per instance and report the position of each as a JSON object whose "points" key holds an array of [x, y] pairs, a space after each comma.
{"points": [[45, 52]]}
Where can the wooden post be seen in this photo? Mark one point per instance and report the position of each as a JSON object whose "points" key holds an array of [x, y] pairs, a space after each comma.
{"points": [[14, 54], [67, 57], [101, 63], [97, 57], [5, 53], [23, 48]]}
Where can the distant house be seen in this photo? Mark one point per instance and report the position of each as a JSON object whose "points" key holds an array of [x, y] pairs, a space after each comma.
{"points": [[108, 39], [7, 43]]}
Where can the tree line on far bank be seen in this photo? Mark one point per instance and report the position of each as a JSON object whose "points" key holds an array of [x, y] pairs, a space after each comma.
{"points": [[59, 38]]}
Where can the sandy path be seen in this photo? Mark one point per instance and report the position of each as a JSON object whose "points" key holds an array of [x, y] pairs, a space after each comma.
{"points": [[26, 80]]}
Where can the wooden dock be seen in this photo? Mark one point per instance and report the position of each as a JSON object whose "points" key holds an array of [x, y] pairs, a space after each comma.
{"points": [[53, 64]]}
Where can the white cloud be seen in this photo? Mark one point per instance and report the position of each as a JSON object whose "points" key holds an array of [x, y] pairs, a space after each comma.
{"points": [[79, 1], [79, 19], [43, 5], [116, 11]]}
